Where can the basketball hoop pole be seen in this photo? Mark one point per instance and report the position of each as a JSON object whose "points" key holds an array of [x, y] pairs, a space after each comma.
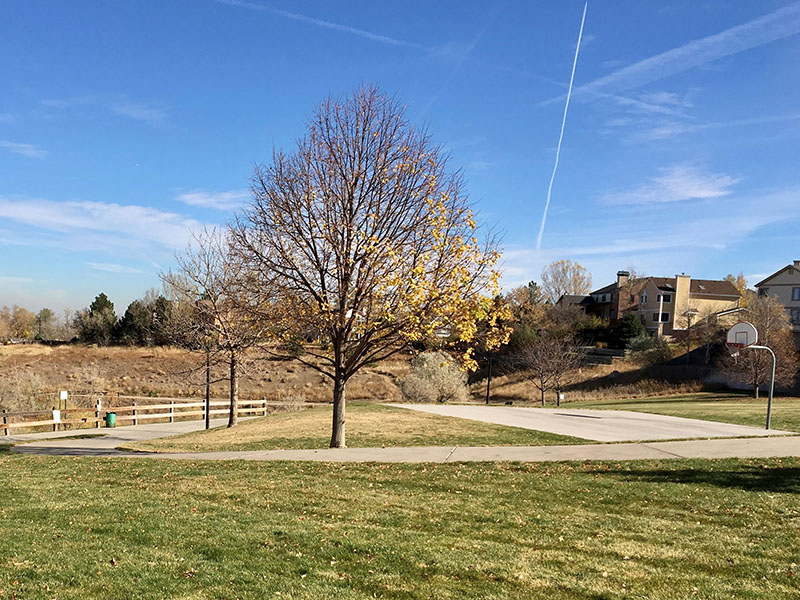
{"points": [[772, 381]]}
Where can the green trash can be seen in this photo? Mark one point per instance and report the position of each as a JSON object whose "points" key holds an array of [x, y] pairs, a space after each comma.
{"points": [[111, 419]]}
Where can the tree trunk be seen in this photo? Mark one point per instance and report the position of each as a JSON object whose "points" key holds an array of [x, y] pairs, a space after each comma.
{"points": [[208, 389], [542, 390], [339, 400], [233, 416], [755, 391]]}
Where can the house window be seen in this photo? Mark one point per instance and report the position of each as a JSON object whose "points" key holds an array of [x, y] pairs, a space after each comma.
{"points": [[796, 294], [644, 297], [665, 297], [665, 317], [633, 298], [795, 316], [763, 292]]}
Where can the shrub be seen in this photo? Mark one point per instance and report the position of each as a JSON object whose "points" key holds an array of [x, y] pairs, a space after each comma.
{"points": [[628, 329], [22, 390], [649, 350], [435, 377]]}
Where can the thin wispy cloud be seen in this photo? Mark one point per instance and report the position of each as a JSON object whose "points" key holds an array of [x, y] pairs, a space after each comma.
{"points": [[676, 184], [112, 268], [218, 200], [139, 111], [776, 25], [362, 33], [672, 129], [661, 241], [106, 220], [6, 280], [29, 150], [121, 106]]}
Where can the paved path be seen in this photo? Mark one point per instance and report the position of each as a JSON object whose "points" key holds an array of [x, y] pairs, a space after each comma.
{"points": [[103, 441], [597, 425], [105, 445], [718, 448]]}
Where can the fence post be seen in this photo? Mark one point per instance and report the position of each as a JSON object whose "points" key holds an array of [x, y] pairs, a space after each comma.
{"points": [[135, 420], [5, 422], [98, 410], [172, 411], [55, 424], [264, 400]]}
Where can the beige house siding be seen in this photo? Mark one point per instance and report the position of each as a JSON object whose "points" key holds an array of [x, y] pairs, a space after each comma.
{"points": [[680, 301], [785, 287]]}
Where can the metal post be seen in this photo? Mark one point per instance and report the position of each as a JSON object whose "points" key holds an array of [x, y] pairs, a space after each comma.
{"points": [[5, 422], [55, 424], [489, 379], [771, 383], [208, 388], [172, 411], [265, 406], [135, 420], [98, 410]]}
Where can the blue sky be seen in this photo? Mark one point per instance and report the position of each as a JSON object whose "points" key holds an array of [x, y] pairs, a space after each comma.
{"points": [[123, 125]]}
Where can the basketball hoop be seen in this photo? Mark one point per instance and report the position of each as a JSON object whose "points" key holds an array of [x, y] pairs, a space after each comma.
{"points": [[740, 336], [744, 335]]}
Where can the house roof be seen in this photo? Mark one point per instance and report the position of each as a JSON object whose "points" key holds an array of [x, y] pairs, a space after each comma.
{"points": [[713, 287], [776, 273], [574, 299], [605, 290], [698, 287]]}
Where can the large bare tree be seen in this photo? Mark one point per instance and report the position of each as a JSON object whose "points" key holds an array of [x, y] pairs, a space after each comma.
{"points": [[365, 241], [565, 277], [217, 308]]}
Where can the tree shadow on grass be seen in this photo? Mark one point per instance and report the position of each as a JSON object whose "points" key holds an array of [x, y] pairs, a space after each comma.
{"points": [[752, 478]]}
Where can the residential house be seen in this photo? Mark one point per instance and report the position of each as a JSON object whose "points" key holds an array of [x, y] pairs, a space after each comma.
{"points": [[666, 305], [785, 286]]}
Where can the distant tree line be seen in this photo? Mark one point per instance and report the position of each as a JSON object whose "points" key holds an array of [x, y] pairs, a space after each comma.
{"points": [[19, 323], [146, 322]]}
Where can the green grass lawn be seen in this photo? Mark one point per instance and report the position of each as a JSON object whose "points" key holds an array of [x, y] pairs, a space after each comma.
{"points": [[727, 408], [368, 426], [88, 528]]}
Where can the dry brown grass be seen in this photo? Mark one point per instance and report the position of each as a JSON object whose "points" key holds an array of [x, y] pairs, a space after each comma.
{"points": [[590, 383], [168, 372]]}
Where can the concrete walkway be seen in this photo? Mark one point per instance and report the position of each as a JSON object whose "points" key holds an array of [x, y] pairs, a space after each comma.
{"points": [[103, 441], [718, 448], [106, 445], [596, 425]]}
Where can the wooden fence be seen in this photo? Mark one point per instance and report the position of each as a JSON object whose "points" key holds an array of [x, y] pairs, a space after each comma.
{"points": [[165, 409]]}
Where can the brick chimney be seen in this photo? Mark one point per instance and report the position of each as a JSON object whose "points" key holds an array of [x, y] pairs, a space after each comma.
{"points": [[622, 278], [796, 264]]}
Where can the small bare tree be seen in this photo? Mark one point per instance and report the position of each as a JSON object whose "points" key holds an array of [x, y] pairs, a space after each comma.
{"points": [[219, 318], [551, 361], [364, 241], [754, 367], [565, 277]]}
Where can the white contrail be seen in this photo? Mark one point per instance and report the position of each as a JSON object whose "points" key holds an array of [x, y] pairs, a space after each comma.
{"points": [[561, 135]]}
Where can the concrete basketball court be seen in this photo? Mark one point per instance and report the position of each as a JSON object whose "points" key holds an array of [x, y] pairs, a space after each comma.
{"points": [[597, 425]]}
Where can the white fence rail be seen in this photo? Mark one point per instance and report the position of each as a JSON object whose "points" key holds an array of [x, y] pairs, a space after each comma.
{"points": [[168, 409]]}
